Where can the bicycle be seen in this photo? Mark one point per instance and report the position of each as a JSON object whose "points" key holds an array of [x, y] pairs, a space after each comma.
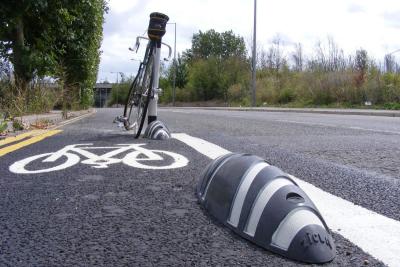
{"points": [[144, 90]]}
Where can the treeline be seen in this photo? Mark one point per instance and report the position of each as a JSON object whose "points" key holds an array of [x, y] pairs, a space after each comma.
{"points": [[57, 40], [215, 63], [217, 68]]}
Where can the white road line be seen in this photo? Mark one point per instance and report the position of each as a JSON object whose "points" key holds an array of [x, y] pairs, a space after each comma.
{"points": [[306, 123], [372, 232], [204, 147], [338, 126]]}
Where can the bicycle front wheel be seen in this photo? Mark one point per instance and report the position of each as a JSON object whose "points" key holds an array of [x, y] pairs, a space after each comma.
{"points": [[139, 96]]}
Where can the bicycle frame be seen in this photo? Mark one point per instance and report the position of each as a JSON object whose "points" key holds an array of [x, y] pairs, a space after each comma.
{"points": [[154, 91]]}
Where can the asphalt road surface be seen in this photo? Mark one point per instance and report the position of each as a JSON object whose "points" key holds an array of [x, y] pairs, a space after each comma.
{"points": [[80, 210]]}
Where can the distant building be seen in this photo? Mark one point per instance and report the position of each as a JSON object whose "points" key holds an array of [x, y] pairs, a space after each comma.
{"points": [[102, 91]]}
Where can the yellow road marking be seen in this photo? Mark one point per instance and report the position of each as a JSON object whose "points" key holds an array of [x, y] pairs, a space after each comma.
{"points": [[73, 120], [12, 139], [36, 136], [32, 140]]}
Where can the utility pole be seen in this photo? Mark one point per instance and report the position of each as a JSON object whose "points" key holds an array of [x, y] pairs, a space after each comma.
{"points": [[117, 89], [174, 66], [253, 74]]}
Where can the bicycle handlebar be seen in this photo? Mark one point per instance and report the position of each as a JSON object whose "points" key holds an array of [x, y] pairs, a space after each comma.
{"points": [[137, 44]]}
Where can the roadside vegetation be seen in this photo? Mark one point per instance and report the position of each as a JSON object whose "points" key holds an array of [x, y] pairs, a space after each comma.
{"points": [[120, 91], [43, 42], [47, 42], [217, 68]]}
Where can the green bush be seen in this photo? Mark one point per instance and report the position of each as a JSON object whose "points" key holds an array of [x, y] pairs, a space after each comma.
{"points": [[183, 95], [236, 93], [391, 87], [119, 93], [38, 99], [87, 97], [211, 78], [17, 125], [166, 94], [3, 126], [313, 88], [287, 95], [205, 80], [392, 106], [41, 99]]}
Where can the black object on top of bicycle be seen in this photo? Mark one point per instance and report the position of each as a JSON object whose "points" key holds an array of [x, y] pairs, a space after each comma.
{"points": [[157, 24]]}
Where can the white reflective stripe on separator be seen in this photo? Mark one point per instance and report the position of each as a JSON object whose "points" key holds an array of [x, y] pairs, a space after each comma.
{"points": [[156, 134], [261, 201], [159, 131], [291, 225], [241, 193], [203, 197]]}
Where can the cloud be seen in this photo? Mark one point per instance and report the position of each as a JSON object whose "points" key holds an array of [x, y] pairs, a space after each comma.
{"points": [[370, 24], [284, 40], [392, 19], [121, 6], [356, 8]]}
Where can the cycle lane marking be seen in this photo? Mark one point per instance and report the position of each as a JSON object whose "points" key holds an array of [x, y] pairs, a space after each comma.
{"points": [[136, 156], [374, 233], [37, 137]]}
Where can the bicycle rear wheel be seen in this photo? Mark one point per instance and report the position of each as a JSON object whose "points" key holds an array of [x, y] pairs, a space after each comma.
{"points": [[139, 95]]}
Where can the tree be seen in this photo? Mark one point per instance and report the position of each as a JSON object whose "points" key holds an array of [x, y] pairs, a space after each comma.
{"points": [[328, 59], [389, 63], [181, 73], [24, 39], [297, 57], [275, 59], [215, 44], [216, 61], [78, 37], [59, 38], [361, 66], [205, 78]]}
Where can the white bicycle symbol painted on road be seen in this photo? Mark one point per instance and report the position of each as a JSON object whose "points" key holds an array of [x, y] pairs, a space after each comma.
{"points": [[136, 157]]}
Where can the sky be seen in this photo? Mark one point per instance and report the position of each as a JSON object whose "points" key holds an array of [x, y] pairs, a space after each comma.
{"points": [[353, 24]]}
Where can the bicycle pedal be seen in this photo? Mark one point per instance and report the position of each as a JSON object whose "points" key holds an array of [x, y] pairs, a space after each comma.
{"points": [[120, 119]]}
